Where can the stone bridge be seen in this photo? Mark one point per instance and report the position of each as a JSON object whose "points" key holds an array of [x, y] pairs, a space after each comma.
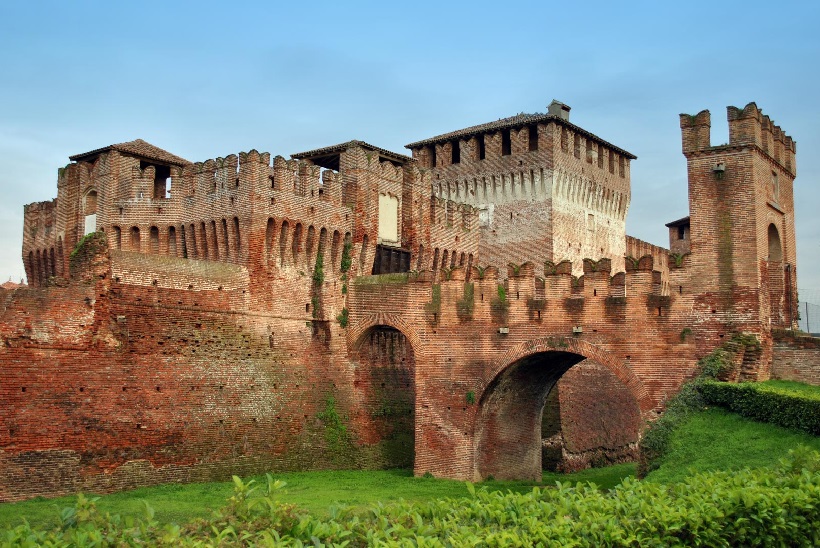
{"points": [[485, 355]]}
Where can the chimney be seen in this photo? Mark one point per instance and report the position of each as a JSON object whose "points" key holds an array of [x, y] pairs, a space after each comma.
{"points": [[559, 109]]}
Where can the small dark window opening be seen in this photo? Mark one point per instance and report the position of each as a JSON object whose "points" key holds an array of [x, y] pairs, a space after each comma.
{"points": [[621, 166], [482, 150], [576, 146], [533, 142], [456, 152], [506, 143], [162, 180], [681, 233], [611, 162], [389, 260], [432, 156]]}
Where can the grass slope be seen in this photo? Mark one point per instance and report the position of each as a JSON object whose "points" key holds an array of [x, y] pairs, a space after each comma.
{"points": [[716, 439], [314, 491]]}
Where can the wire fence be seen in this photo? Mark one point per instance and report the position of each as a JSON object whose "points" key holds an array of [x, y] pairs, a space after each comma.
{"points": [[808, 309]]}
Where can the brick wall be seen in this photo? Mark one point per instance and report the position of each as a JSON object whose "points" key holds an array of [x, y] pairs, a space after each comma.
{"points": [[796, 358]]}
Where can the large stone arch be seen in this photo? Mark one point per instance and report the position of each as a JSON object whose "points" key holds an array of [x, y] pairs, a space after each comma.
{"points": [[507, 430], [587, 350], [384, 351]]}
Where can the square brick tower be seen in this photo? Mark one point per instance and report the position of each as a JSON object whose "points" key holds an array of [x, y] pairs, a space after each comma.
{"points": [[544, 188], [742, 224]]}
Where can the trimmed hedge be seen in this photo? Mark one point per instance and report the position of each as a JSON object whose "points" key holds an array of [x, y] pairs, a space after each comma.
{"points": [[790, 409], [739, 508]]}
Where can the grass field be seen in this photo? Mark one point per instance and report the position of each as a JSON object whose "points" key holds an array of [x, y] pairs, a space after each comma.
{"points": [[314, 491]]}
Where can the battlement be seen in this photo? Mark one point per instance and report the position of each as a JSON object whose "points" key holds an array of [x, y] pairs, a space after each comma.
{"points": [[750, 126], [747, 126]]}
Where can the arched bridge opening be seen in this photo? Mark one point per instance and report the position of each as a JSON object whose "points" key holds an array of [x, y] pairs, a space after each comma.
{"points": [[384, 385], [600, 405]]}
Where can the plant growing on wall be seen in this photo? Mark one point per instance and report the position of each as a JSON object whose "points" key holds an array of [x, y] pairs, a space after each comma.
{"points": [[316, 288], [500, 306], [338, 439], [343, 318], [434, 306], [347, 260], [466, 304]]}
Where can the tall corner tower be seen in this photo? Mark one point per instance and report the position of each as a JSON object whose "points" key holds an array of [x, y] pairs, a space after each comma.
{"points": [[742, 223]]}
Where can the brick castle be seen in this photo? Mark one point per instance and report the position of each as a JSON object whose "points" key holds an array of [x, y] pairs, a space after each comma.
{"points": [[355, 307]]}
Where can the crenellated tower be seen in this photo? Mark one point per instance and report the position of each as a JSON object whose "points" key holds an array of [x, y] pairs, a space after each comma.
{"points": [[544, 188], [742, 224]]}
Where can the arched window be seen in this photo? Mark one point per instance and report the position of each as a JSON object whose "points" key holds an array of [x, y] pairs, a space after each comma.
{"points": [[283, 242], [90, 211], [296, 244], [334, 248], [236, 233], [172, 241], [775, 248], [203, 237], [270, 232], [135, 239]]}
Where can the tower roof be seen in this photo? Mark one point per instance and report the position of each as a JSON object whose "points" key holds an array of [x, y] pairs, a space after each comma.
{"points": [[328, 157], [139, 148], [517, 121]]}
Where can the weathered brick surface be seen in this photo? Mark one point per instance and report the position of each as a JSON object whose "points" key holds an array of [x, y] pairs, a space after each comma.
{"points": [[198, 337], [796, 358]]}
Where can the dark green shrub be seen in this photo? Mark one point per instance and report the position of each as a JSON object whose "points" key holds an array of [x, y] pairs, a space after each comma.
{"points": [[799, 410]]}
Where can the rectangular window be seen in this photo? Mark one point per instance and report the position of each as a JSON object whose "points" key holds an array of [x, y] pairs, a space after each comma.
{"points": [[482, 151], [533, 138], [775, 188], [456, 152], [506, 143], [90, 223], [577, 146], [388, 218]]}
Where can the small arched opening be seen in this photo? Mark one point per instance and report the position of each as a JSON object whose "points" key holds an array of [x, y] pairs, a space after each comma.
{"points": [[385, 385], [778, 301], [135, 239], [90, 211]]}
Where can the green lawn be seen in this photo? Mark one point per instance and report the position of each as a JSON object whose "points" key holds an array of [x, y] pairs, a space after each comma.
{"points": [[793, 386], [710, 440], [716, 439], [314, 491]]}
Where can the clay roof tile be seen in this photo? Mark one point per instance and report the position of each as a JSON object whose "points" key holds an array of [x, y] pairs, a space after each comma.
{"points": [[139, 148]]}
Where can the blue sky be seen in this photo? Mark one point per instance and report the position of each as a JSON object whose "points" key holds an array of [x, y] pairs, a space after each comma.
{"points": [[206, 79]]}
